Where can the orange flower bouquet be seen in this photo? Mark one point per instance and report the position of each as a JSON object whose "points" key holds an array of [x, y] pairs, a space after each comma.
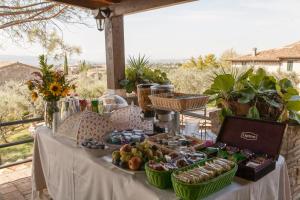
{"points": [[51, 85]]}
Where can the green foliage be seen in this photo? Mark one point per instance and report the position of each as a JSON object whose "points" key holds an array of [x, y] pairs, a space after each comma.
{"points": [[138, 71], [90, 87], [268, 97], [224, 59], [15, 102], [84, 67], [198, 80], [14, 153], [209, 61], [53, 45], [253, 113]]}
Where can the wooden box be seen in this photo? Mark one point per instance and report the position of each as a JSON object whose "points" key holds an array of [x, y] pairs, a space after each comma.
{"points": [[261, 137]]}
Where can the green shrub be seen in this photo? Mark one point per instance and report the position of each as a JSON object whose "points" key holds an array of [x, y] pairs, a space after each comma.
{"points": [[15, 102], [90, 87]]}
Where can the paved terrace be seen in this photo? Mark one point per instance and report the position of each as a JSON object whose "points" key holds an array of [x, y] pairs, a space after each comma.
{"points": [[15, 182]]}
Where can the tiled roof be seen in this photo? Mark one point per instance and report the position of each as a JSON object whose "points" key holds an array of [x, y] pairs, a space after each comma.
{"points": [[287, 52], [6, 63], [11, 63]]}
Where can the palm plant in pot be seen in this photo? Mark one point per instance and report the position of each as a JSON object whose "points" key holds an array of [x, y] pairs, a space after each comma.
{"points": [[139, 71], [255, 94], [140, 77]]}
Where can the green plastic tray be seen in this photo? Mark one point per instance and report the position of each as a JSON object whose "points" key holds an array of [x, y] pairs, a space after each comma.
{"points": [[187, 191]]}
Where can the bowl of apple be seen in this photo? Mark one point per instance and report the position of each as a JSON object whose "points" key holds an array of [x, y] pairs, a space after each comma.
{"points": [[133, 156]]}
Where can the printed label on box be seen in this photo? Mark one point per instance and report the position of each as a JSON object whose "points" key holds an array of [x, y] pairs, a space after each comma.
{"points": [[249, 136]]}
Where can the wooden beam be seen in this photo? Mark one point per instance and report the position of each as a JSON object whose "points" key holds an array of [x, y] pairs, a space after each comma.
{"points": [[134, 6], [91, 4], [115, 51]]}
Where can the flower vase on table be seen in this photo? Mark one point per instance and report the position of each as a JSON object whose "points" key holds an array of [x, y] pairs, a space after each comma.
{"points": [[51, 85], [51, 114]]}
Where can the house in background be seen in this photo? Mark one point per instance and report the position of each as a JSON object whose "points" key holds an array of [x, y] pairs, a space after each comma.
{"points": [[285, 59], [15, 71]]}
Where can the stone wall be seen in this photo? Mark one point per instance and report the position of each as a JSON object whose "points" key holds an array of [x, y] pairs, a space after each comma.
{"points": [[16, 72], [290, 149]]}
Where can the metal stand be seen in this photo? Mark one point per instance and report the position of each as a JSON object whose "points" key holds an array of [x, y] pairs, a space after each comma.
{"points": [[177, 122]]}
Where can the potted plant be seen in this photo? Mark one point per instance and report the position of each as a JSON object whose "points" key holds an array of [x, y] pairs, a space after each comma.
{"points": [[139, 71], [140, 77], [266, 98], [256, 95]]}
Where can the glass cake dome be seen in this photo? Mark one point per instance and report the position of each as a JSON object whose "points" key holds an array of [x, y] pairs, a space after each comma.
{"points": [[112, 102]]}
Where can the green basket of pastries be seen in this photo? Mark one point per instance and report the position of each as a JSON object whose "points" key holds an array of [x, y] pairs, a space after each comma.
{"points": [[159, 178], [159, 172], [202, 179]]}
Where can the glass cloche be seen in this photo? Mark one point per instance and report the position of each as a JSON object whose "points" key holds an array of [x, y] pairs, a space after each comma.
{"points": [[112, 102]]}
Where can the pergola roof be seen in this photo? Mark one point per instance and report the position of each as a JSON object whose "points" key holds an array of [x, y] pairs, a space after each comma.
{"points": [[123, 7], [92, 4]]}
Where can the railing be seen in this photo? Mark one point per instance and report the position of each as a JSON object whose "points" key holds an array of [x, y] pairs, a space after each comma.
{"points": [[19, 122]]}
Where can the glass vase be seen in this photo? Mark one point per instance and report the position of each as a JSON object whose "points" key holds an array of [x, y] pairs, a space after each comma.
{"points": [[50, 113]]}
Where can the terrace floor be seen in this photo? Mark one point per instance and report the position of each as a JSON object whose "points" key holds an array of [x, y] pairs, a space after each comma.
{"points": [[15, 182]]}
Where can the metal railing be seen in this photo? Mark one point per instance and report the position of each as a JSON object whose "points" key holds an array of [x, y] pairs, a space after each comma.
{"points": [[13, 123]]}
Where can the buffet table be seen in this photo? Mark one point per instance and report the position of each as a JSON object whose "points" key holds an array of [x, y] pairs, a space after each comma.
{"points": [[69, 173]]}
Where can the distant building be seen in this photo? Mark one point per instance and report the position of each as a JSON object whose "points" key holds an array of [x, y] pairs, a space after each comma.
{"points": [[285, 59], [15, 71]]}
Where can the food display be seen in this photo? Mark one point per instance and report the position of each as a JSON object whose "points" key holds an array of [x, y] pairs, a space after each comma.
{"points": [[202, 179], [94, 147], [112, 102], [253, 144], [175, 161], [93, 144], [258, 161], [133, 156], [159, 171], [211, 169], [176, 143], [125, 137]]}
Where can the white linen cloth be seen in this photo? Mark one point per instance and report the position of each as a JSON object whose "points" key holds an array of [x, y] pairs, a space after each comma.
{"points": [[70, 174]]}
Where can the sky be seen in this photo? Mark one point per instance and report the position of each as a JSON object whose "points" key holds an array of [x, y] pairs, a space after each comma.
{"points": [[191, 29]]}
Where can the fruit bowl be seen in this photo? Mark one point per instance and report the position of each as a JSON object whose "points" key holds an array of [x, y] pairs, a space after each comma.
{"points": [[133, 156]]}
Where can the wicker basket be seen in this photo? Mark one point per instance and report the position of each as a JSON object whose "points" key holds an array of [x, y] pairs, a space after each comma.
{"points": [[159, 179], [187, 191], [178, 101]]}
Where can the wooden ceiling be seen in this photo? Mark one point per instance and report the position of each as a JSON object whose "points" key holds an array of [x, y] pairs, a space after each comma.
{"points": [[123, 7], [91, 4]]}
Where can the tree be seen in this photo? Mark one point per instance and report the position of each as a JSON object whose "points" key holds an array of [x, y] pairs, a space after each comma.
{"points": [[40, 22], [226, 56], [84, 67], [194, 63], [209, 61], [66, 66]]}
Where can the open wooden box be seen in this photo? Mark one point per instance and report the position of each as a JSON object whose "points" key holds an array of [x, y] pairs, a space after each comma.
{"points": [[261, 137]]}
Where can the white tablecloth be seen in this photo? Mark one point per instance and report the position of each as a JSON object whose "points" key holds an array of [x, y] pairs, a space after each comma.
{"points": [[69, 174]]}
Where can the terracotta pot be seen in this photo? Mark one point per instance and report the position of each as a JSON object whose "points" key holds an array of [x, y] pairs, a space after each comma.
{"points": [[238, 108]]}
